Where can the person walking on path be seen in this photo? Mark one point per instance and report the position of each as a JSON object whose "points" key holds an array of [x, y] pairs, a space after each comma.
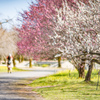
{"points": [[9, 63]]}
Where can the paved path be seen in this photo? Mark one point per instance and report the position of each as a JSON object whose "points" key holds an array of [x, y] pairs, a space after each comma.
{"points": [[13, 85]]}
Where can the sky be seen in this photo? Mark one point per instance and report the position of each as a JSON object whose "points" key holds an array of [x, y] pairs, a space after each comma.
{"points": [[9, 9]]}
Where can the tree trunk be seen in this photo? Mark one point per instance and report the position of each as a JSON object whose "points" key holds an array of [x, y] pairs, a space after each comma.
{"points": [[30, 62], [14, 63], [88, 76], [81, 70], [59, 62], [5, 60], [19, 58], [22, 58]]}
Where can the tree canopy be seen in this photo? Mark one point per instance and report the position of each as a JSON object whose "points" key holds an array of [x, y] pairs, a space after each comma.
{"points": [[69, 27]]}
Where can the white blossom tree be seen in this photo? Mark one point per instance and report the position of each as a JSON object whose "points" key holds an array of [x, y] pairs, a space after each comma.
{"points": [[77, 30]]}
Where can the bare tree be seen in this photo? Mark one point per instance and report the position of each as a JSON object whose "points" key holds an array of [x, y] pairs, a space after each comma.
{"points": [[8, 42]]}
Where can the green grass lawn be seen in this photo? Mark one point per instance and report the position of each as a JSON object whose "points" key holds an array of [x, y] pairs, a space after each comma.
{"points": [[65, 86], [42, 65], [4, 69]]}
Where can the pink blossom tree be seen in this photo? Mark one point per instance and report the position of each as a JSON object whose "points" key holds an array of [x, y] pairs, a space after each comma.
{"points": [[34, 30]]}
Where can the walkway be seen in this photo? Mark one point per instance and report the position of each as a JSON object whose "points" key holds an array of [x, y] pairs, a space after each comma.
{"points": [[12, 86]]}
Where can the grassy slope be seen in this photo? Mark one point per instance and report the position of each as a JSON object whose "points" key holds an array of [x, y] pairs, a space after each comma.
{"points": [[65, 86]]}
